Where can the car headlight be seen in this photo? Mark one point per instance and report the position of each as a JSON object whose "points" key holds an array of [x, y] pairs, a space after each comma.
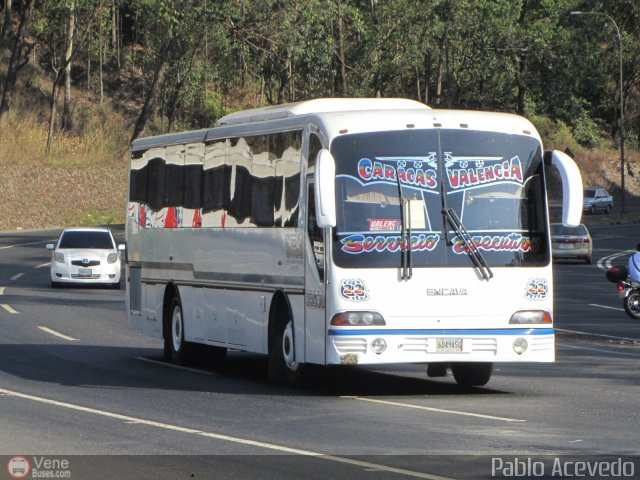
{"points": [[58, 257], [112, 258]]}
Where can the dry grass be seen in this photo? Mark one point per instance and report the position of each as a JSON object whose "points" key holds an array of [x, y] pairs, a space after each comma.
{"points": [[81, 182], [101, 139]]}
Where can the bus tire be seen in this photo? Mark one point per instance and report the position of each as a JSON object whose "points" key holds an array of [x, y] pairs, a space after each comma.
{"points": [[282, 366], [472, 374], [176, 349]]}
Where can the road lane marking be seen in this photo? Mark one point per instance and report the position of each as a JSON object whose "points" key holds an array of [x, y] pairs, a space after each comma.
{"points": [[21, 244], [605, 306], [8, 308], [2, 290], [15, 277], [43, 265], [57, 334], [224, 437], [171, 365], [605, 262], [432, 409]]}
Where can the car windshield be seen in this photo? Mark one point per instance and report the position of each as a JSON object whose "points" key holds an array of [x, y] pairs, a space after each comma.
{"points": [[101, 240], [559, 229], [492, 181], [589, 193]]}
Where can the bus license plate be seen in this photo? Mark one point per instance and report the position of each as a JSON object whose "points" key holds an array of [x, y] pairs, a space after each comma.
{"points": [[449, 345], [84, 272]]}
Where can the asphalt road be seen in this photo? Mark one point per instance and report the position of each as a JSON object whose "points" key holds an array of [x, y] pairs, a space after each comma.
{"points": [[78, 383]]}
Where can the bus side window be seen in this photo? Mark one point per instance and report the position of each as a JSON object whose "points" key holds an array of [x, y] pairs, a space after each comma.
{"points": [[315, 232]]}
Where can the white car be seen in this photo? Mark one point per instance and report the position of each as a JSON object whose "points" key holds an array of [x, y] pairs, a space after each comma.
{"points": [[85, 256]]}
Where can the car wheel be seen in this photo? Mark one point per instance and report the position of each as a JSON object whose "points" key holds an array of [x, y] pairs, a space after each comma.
{"points": [[115, 286], [55, 284], [593, 210], [472, 374], [176, 349], [608, 209], [588, 260]]}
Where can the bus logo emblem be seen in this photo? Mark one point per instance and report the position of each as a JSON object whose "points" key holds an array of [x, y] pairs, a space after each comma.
{"points": [[354, 290]]}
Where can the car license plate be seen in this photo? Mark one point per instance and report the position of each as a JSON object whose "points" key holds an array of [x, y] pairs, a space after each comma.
{"points": [[449, 345], [84, 272], [565, 246]]}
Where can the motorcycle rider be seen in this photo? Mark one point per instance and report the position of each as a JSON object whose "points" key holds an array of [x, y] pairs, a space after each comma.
{"points": [[634, 265]]}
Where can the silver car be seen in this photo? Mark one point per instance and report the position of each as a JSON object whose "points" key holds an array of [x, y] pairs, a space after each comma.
{"points": [[596, 200], [571, 242]]}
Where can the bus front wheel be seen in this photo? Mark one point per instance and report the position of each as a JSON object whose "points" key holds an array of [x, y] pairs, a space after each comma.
{"points": [[176, 349], [472, 374], [282, 364]]}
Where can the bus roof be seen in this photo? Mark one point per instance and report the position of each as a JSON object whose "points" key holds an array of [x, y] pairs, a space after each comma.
{"points": [[319, 105], [329, 114]]}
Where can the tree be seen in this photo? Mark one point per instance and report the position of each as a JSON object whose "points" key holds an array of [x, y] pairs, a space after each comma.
{"points": [[7, 19], [15, 62], [175, 33], [59, 63], [70, 28]]}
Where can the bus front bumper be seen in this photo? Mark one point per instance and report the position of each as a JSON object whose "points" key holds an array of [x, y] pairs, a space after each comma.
{"points": [[356, 346]]}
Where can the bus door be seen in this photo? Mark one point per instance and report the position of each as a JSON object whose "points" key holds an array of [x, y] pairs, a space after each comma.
{"points": [[314, 283]]}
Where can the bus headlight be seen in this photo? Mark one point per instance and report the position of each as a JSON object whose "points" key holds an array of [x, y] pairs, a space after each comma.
{"points": [[378, 346], [520, 345], [353, 319], [531, 316]]}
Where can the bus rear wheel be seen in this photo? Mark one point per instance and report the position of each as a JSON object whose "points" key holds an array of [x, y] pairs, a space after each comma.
{"points": [[176, 349], [472, 374], [283, 367]]}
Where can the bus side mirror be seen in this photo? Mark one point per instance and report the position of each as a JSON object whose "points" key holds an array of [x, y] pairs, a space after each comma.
{"points": [[571, 186], [325, 189]]}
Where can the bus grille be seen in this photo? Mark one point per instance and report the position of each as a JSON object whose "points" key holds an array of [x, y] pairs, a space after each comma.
{"points": [[350, 345], [428, 345], [541, 343]]}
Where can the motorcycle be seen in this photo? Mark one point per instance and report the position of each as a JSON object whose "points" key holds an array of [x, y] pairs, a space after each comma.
{"points": [[628, 290]]}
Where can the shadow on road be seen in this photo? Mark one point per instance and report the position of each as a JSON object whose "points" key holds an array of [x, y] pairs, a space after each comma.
{"points": [[241, 373]]}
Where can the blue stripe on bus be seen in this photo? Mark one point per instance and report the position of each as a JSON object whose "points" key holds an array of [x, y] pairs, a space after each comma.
{"points": [[487, 332]]}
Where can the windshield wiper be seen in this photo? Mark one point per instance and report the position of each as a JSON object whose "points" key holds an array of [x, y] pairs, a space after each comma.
{"points": [[405, 243], [462, 233]]}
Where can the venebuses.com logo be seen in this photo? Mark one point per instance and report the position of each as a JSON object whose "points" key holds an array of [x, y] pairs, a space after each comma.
{"points": [[18, 467]]}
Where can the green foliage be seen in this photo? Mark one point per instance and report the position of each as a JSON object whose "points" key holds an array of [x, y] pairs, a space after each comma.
{"points": [[588, 131], [523, 56], [94, 218], [555, 134]]}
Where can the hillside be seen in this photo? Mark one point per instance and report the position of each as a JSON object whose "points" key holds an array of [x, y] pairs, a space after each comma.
{"points": [[82, 181]]}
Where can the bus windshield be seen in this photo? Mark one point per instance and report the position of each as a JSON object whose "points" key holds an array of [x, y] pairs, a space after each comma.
{"points": [[492, 181]]}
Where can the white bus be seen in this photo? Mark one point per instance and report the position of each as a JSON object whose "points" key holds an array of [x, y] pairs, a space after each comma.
{"points": [[348, 231]]}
